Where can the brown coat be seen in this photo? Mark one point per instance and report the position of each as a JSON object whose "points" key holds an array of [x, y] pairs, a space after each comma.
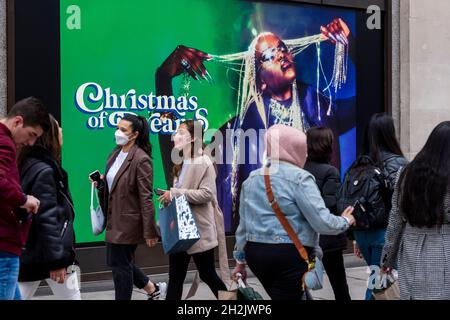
{"points": [[129, 203]]}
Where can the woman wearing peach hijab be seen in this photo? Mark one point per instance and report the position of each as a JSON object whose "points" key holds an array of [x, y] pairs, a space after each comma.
{"points": [[261, 240]]}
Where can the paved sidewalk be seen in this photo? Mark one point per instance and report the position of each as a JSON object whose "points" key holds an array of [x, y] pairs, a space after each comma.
{"points": [[357, 275]]}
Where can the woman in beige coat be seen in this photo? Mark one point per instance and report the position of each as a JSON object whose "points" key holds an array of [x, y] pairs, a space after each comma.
{"points": [[195, 178]]}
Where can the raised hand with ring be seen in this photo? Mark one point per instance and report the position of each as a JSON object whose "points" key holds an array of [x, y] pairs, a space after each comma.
{"points": [[185, 59], [185, 64]]}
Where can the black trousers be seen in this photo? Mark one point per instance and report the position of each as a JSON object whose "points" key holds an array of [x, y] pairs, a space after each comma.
{"points": [[120, 258], [279, 268], [333, 261], [178, 266]]}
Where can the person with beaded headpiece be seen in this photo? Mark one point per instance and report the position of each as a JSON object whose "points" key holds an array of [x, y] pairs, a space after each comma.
{"points": [[268, 94]]}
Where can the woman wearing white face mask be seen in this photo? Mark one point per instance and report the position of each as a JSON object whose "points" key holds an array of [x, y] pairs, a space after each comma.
{"points": [[126, 199]]}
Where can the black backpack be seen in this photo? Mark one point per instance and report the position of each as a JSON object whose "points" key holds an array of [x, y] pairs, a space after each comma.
{"points": [[365, 187]]}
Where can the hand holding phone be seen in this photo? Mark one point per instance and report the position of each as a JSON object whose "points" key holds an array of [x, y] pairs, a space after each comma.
{"points": [[159, 192], [95, 176]]}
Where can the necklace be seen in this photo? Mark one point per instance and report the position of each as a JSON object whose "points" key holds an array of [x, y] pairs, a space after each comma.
{"points": [[288, 115]]}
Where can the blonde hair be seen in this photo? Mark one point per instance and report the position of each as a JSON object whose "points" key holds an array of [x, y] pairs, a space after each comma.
{"points": [[245, 64], [248, 90]]}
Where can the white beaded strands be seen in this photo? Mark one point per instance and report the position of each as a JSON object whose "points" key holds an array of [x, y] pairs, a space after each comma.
{"points": [[244, 64]]}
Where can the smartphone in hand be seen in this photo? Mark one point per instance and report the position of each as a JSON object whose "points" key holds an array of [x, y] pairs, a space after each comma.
{"points": [[95, 176], [159, 192]]}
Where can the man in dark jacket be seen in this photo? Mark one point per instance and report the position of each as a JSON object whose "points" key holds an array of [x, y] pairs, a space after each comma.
{"points": [[26, 121]]}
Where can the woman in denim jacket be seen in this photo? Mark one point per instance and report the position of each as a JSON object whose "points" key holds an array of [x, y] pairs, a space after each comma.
{"points": [[261, 241]]}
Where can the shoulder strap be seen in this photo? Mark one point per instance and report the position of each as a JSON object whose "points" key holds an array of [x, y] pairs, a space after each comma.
{"points": [[286, 225]]}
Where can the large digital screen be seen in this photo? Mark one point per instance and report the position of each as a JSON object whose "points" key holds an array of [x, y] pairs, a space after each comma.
{"points": [[234, 65], [146, 57]]}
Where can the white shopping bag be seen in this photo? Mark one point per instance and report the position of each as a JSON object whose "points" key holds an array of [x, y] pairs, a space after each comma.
{"points": [[98, 220]]}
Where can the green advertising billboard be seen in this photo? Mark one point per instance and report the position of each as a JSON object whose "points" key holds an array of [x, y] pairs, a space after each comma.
{"points": [[111, 50]]}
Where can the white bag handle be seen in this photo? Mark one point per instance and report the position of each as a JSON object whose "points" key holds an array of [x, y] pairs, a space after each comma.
{"points": [[97, 217], [92, 196], [240, 281]]}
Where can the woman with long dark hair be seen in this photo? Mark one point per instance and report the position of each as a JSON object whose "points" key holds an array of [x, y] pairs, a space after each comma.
{"points": [[195, 177], [383, 148], [125, 194], [49, 253], [320, 148], [418, 234]]}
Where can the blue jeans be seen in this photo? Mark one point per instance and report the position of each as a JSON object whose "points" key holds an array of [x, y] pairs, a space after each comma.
{"points": [[9, 273], [371, 245]]}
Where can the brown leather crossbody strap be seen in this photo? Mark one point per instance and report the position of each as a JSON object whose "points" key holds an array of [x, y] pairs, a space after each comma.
{"points": [[286, 225]]}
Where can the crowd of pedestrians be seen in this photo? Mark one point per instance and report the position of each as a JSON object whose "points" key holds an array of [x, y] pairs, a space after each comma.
{"points": [[294, 212]]}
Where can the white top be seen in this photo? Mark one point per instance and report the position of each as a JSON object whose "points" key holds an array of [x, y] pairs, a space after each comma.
{"points": [[183, 171], [115, 168]]}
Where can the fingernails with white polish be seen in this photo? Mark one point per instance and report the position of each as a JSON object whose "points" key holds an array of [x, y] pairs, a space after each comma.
{"points": [[332, 37], [210, 77], [205, 78], [344, 37]]}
